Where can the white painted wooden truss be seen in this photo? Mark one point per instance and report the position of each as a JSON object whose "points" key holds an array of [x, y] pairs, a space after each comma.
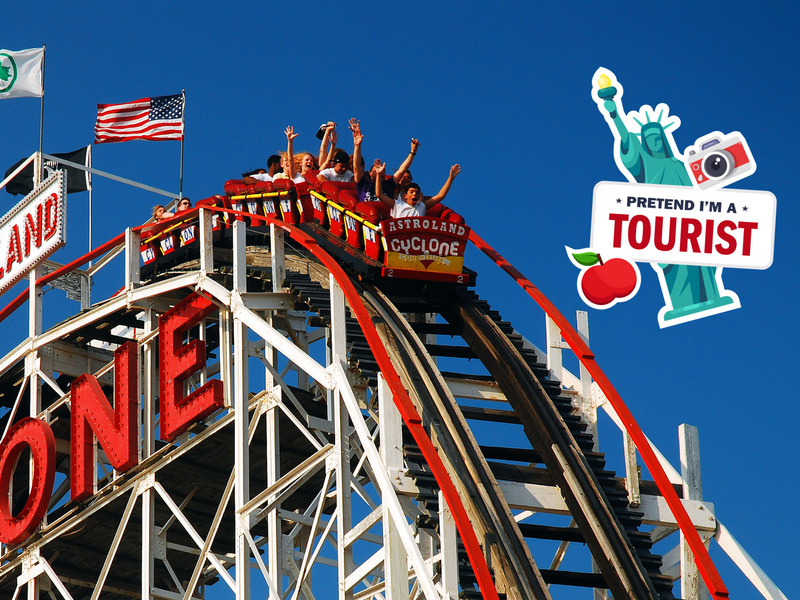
{"points": [[356, 535]]}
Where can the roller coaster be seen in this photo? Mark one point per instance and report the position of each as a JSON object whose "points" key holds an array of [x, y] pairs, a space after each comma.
{"points": [[290, 397]]}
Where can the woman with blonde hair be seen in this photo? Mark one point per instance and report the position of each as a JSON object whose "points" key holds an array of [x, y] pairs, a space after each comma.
{"points": [[305, 162], [287, 159]]}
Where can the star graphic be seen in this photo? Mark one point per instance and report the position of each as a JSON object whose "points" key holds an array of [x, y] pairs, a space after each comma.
{"points": [[5, 73], [744, 208], [619, 200]]}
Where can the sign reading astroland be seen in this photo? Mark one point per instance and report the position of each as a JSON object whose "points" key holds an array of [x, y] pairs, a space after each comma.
{"points": [[683, 225], [415, 243], [32, 230]]}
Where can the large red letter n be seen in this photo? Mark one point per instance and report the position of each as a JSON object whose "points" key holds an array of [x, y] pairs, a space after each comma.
{"points": [[178, 362], [115, 428]]}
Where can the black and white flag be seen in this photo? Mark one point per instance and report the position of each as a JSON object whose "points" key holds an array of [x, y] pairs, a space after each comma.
{"points": [[77, 180]]}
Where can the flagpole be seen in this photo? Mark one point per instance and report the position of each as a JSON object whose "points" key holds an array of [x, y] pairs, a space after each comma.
{"points": [[183, 132], [38, 178], [89, 177]]}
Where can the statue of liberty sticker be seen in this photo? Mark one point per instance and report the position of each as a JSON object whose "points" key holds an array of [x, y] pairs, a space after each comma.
{"points": [[673, 211]]}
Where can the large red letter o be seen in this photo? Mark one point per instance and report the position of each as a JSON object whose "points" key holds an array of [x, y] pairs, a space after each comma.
{"points": [[38, 435]]}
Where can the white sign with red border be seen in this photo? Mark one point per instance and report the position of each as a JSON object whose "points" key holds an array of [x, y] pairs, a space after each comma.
{"points": [[683, 225], [32, 230]]}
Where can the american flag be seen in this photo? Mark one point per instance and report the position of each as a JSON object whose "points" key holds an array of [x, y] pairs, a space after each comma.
{"points": [[159, 118]]}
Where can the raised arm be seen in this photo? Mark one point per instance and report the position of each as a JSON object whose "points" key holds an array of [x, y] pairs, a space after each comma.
{"points": [[330, 128], [624, 135], [433, 200], [331, 151], [398, 175], [358, 168], [290, 135], [380, 171]]}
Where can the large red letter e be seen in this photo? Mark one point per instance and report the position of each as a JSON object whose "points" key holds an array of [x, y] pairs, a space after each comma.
{"points": [[178, 362]]}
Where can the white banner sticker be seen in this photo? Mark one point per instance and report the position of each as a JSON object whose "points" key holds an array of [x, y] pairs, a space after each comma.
{"points": [[684, 225]]}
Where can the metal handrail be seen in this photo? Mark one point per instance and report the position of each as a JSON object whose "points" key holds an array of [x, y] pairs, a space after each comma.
{"points": [[78, 262], [112, 244]]}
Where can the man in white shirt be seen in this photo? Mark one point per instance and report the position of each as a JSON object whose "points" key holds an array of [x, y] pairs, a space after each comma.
{"points": [[273, 166], [412, 203], [339, 171]]}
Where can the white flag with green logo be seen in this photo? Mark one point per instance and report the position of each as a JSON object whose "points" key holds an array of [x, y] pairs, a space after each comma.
{"points": [[21, 73]]}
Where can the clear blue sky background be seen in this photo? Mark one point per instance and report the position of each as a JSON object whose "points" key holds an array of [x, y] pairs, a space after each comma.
{"points": [[504, 90]]}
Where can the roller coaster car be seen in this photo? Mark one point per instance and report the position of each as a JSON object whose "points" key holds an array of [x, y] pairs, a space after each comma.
{"points": [[360, 234], [428, 248]]}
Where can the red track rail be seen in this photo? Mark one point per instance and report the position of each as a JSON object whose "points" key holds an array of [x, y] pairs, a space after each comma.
{"points": [[705, 565], [407, 410]]}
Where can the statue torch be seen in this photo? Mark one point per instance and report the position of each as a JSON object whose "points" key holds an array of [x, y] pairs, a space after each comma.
{"points": [[605, 91]]}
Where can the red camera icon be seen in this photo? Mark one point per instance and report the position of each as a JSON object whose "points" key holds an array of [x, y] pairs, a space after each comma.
{"points": [[717, 160]]}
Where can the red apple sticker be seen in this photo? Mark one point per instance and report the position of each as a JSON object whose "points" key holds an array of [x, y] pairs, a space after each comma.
{"points": [[604, 283]]}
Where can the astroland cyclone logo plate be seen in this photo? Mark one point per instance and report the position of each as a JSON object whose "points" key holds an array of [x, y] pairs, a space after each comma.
{"points": [[425, 244], [8, 72], [425, 262]]}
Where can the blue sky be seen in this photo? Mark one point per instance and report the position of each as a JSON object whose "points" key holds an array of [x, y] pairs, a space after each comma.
{"points": [[503, 90]]}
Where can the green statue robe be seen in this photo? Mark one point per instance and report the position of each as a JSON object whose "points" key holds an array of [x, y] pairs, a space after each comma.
{"points": [[691, 288]]}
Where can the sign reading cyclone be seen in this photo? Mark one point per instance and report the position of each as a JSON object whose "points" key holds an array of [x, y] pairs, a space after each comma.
{"points": [[425, 244]]}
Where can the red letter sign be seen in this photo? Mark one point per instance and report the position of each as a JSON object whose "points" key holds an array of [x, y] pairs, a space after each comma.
{"points": [[179, 362], [116, 429], [38, 435]]}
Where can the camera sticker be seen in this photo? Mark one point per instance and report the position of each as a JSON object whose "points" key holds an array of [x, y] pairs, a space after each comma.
{"points": [[668, 214], [717, 160]]}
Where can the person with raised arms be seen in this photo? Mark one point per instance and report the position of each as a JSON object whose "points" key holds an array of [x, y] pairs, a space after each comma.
{"points": [[413, 203], [287, 159], [339, 171], [329, 139], [364, 179]]}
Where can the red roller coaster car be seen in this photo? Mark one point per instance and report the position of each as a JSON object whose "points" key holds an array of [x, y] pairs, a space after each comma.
{"points": [[359, 233]]}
